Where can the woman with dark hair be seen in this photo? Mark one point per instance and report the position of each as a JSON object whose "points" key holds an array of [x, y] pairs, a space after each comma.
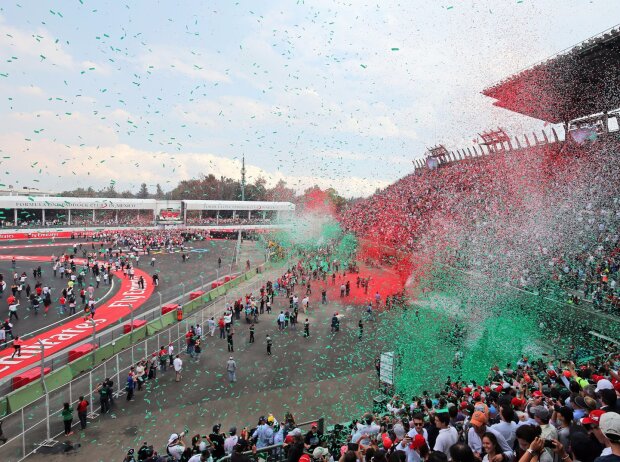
{"points": [[380, 456], [67, 418], [398, 456], [296, 449], [491, 448], [460, 452]]}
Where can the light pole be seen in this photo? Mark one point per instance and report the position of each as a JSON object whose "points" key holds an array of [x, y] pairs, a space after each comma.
{"points": [[183, 290], [217, 273], [48, 441], [202, 282], [131, 322], [94, 338]]}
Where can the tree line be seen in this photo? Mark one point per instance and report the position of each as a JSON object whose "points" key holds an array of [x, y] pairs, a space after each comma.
{"points": [[209, 187]]}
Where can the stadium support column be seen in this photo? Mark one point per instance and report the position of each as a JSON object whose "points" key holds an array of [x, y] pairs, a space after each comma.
{"points": [[249, 214], [69, 217], [238, 249], [277, 215], [185, 215], [94, 217], [234, 214], [43, 217], [116, 217], [217, 218], [264, 215], [15, 217]]}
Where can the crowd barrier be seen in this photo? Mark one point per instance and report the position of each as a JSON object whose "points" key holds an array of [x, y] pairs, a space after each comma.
{"points": [[31, 415]]}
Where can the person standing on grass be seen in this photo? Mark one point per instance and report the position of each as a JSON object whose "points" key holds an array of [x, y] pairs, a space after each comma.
{"points": [[67, 418]]}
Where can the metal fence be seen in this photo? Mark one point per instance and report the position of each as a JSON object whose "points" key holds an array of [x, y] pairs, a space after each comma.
{"points": [[111, 333], [39, 422]]}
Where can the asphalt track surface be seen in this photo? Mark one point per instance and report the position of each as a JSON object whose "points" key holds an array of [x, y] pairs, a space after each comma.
{"points": [[172, 272], [327, 374]]}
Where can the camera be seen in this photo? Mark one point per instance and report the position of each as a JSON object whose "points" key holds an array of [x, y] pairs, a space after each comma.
{"points": [[549, 444]]}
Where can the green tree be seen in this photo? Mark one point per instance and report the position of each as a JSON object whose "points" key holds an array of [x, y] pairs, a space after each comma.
{"points": [[143, 193], [159, 193]]}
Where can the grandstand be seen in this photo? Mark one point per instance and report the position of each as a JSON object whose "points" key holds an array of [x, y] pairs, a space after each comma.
{"points": [[44, 212]]}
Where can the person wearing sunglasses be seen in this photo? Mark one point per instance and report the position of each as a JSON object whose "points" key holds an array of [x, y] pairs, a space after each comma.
{"points": [[417, 427]]}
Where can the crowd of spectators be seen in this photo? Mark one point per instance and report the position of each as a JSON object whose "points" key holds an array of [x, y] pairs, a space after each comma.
{"points": [[541, 411], [541, 216]]}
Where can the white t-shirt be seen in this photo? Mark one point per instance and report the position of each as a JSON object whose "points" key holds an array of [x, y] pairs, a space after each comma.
{"points": [[178, 364], [445, 440], [176, 451]]}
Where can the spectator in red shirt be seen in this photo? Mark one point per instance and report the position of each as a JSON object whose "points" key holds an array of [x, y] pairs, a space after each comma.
{"points": [[82, 410]]}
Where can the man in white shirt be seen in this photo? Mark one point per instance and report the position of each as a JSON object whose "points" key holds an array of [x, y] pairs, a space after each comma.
{"points": [[229, 443], [476, 432], [447, 437], [417, 427], [175, 446], [366, 427], [178, 367]]}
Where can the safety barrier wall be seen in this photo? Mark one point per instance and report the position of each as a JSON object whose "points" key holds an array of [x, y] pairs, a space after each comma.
{"points": [[31, 416]]}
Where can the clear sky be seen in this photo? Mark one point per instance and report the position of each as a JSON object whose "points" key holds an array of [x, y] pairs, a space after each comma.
{"points": [[337, 93]]}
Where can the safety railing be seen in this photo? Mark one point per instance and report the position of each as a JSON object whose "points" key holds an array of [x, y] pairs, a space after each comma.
{"points": [[35, 417]]}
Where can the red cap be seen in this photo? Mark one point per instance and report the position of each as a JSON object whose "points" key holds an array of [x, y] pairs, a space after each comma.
{"points": [[487, 389], [314, 424], [476, 395], [567, 374], [417, 442], [387, 442], [305, 458], [517, 402], [537, 394], [551, 373], [499, 389], [467, 390], [595, 416], [463, 404]]}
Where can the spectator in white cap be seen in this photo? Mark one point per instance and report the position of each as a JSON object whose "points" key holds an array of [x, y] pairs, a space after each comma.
{"points": [[609, 424], [321, 454], [603, 384], [175, 447]]}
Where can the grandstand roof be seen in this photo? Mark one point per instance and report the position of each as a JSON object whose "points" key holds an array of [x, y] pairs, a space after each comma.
{"points": [[238, 205], [576, 82], [47, 202]]}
